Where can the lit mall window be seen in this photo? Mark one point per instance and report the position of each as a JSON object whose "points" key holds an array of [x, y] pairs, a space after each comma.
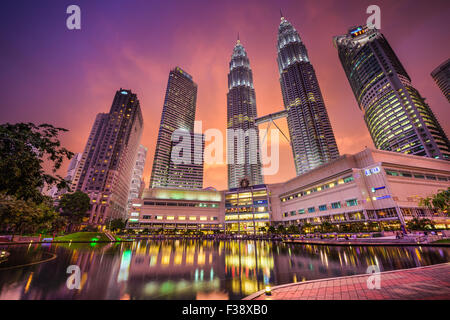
{"points": [[336, 205], [192, 218]]}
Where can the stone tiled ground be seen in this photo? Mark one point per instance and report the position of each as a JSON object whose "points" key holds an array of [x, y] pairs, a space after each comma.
{"points": [[431, 282]]}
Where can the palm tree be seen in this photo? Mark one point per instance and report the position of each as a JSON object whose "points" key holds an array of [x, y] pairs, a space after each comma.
{"points": [[420, 224], [439, 202]]}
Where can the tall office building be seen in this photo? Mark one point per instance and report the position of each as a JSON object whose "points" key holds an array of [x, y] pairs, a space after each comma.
{"points": [[442, 77], [54, 192], [109, 157], [397, 116], [137, 183], [243, 153], [73, 165], [312, 137], [178, 114]]}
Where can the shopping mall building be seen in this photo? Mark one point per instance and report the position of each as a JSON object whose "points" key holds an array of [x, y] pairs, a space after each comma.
{"points": [[370, 186]]}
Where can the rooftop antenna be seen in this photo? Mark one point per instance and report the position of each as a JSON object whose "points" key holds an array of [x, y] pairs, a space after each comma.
{"points": [[281, 14], [238, 40]]}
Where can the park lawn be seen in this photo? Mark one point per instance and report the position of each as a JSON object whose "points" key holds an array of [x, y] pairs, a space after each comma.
{"points": [[442, 241], [83, 236]]}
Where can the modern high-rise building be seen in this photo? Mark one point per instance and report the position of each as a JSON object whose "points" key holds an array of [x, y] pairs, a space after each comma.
{"points": [[109, 157], [312, 137], [137, 183], [397, 116], [54, 192], [178, 115], [243, 153], [442, 77], [73, 165]]}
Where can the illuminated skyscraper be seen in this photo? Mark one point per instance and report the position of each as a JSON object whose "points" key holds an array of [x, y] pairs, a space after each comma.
{"points": [[107, 163], [442, 77], [137, 183], [397, 116], [178, 114], [312, 138], [243, 153]]}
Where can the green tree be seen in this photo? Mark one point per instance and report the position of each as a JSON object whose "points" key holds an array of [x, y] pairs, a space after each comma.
{"points": [[281, 229], [119, 224], [306, 227], [293, 229], [439, 201], [262, 229], [420, 224], [20, 216], [74, 206], [326, 227], [24, 147], [271, 229]]}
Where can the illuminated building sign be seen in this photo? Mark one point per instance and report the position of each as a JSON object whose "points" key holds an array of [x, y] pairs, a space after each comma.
{"points": [[382, 197], [369, 172], [379, 188], [358, 31], [124, 92]]}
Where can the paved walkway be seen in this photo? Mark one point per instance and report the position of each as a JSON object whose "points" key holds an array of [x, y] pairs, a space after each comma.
{"points": [[431, 282]]}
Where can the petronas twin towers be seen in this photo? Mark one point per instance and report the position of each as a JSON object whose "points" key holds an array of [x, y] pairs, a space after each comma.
{"points": [[311, 136]]}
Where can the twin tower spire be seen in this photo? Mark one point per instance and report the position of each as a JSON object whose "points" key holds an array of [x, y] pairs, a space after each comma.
{"points": [[311, 136]]}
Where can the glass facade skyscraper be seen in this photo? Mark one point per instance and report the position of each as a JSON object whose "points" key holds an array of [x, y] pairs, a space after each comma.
{"points": [[178, 114], [312, 137], [441, 76], [397, 116], [243, 152]]}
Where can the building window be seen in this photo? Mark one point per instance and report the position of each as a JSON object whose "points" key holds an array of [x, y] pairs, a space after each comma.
{"points": [[391, 173], [146, 217], [323, 207], [352, 202], [301, 211], [293, 213], [159, 217], [181, 218], [406, 174], [336, 205], [192, 218], [348, 179], [285, 214], [311, 210], [170, 218], [203, 218]]}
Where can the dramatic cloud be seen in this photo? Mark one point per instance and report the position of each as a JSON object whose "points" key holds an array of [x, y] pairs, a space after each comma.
{"points": [[51, 74]]}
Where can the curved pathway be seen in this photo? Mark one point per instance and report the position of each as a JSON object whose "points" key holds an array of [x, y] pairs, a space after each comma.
{"points": [[430, 282]]}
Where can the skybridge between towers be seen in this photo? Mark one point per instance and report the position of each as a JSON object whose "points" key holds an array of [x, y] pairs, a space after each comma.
{"points": [[270, 118]]}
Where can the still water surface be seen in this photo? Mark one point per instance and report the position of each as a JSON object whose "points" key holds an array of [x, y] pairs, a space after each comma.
{"points": [[190, 269]]}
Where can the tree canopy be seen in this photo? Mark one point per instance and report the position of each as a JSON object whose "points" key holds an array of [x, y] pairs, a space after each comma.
{"points": [[24, 147], [439, 201], [74, 206], [25, 216]]}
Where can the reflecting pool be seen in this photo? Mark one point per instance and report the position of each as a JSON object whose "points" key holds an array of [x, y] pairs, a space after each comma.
{"points": [[189, 269]]}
